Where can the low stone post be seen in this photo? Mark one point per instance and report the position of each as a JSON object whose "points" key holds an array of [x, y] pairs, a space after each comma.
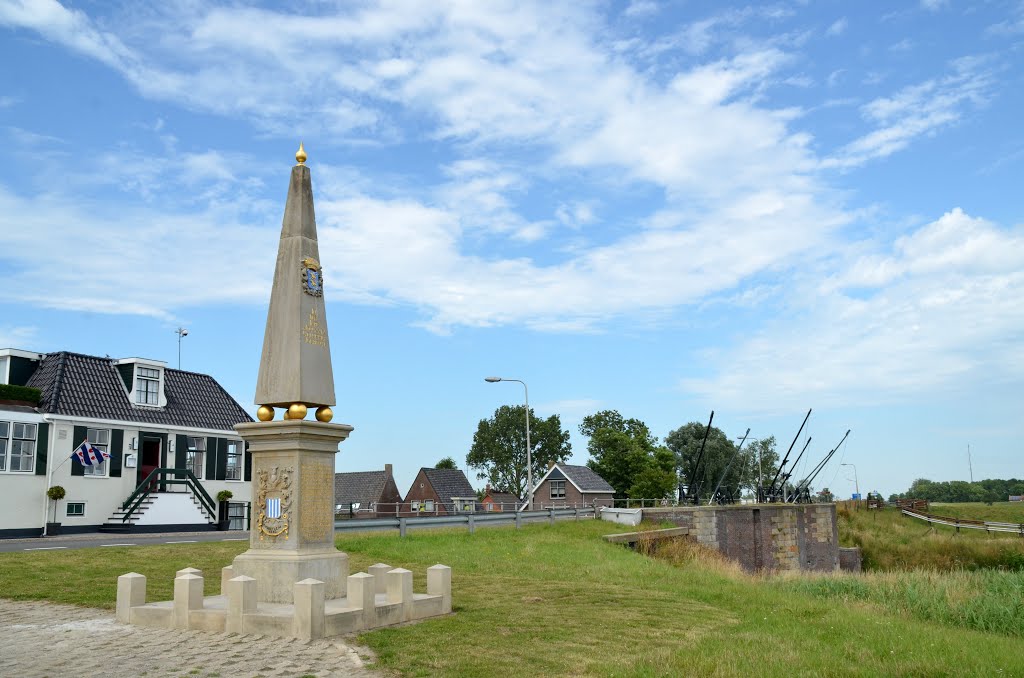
{"points": [[439, 583], [551, 515], [226, 574], [519, 519], [241, 593], [362, 593], [188, 596], [472, 524], [401, 526], [309, 622], [400, 590], [380, 576], [131, 592]]}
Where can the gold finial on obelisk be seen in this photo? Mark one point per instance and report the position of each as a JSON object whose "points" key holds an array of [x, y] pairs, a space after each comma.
{"points": [[300, 155]]}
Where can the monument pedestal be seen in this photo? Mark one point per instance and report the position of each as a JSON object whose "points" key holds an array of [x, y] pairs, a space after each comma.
{"points": [[291, 537]]}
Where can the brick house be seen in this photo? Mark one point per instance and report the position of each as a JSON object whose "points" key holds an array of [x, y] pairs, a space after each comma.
{"points": [[500, 501], [440, 491], [366, 494], [569, 485]]}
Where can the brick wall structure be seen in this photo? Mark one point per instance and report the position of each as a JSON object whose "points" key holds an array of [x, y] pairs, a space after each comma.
{"points": [[775, 537]]}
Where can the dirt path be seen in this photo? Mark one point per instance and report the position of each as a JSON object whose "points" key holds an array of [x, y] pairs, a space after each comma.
{"points": [[44, 639]]}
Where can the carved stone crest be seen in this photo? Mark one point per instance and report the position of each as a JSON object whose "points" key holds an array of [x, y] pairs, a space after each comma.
{"points": [[312, 277], [274, 499]]}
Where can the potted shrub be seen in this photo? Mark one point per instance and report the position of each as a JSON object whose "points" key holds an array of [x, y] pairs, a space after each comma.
{"points": [[55, 493], [222, 509]]}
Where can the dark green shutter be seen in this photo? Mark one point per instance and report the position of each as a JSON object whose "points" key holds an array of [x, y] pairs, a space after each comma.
{"points": [[42, 446], [248, 463], [116, 452], [211, 458], [222, 459], [79, 437], [180, 455]]}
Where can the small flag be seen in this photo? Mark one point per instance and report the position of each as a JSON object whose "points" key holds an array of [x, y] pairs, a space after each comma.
{"points": [[87, 455], [274, 507]]}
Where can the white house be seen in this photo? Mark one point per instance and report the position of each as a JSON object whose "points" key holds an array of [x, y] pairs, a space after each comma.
{"points": [[146, 416]]}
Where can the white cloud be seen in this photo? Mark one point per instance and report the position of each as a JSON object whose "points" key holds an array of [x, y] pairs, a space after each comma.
{"points": [[18, 336], [917, 110], [934, 5], [941, 305], [838, 27]]}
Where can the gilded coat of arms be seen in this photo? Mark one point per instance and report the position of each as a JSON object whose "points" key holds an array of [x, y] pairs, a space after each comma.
{"points": [[312, 277], [274, 499]]}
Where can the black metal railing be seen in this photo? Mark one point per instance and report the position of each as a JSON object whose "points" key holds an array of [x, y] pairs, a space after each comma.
{"points": [[168, 476]]}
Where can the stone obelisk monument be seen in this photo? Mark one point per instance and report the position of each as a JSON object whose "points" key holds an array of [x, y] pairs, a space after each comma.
{"points": [[292, 530]]}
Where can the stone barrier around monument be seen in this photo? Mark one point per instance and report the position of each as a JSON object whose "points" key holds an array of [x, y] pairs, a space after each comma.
{"points": [[311, 616]]}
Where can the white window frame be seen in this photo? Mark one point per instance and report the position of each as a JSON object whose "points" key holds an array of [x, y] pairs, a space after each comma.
{"points": [[561, 483], [414, 505], [67, 509], [100, 439], [12, 444], [5, 435], [428, 505], [236, 449], [195, 449], [143, 382]]}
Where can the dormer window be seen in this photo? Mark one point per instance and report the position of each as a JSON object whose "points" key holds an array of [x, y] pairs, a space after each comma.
{"points": [[143, 381], [147, 386]]}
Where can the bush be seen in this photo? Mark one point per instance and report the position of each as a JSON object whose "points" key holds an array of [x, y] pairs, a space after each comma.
{"points": [[56, 493], [224, 495], [20, 393]]}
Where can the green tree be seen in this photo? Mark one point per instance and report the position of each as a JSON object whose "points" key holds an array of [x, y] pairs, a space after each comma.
{"points": [[685, 443], [447, 462], [658, 480], [624, 452], [769, 462], [498, 452]]}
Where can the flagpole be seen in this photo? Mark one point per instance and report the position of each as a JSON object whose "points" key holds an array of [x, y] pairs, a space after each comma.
{"points": [[49, 481]]}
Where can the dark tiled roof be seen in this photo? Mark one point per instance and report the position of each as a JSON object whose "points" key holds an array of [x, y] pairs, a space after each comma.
{"points": [[362, 487], [88, 386], [585, 478], [449, 482], [504, 498]]}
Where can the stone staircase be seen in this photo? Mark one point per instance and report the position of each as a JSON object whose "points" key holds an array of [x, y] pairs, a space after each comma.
{"points": [[167, 509]]}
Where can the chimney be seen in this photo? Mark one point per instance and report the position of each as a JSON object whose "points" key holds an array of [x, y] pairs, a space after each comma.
{"points": [[387, 468]]}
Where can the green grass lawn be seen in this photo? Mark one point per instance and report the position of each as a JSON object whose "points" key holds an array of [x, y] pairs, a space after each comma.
{"points": [[558, 600], [999, 512]]}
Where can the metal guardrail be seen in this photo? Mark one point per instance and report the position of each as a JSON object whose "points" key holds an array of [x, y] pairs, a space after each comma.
{"points": [[469, 520], [988, 526]]}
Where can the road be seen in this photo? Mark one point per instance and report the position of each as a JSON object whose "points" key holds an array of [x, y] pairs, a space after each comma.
{"points": [[99, 540]]}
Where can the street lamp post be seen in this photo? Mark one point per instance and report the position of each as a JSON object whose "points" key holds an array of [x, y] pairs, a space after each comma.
{"points": [[529, 459], [181, 332], [856, 483]]}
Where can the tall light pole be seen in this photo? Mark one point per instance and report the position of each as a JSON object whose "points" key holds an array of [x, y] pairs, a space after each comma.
{"points": [[529, 459], [856, 483], [181, 332]]}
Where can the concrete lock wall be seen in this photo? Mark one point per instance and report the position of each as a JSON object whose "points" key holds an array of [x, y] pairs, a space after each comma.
{"points": [[776, 537]]}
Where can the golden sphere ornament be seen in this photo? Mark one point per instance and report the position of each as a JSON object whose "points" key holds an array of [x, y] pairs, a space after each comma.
{"points": [[265, 413], [297, 411], [324, 414]]}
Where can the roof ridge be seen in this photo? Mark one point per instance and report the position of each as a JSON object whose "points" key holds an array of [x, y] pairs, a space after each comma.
{"points": [[58, 379]]}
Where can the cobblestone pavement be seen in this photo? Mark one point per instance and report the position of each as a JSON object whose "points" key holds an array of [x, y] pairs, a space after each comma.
{"points": [[44, 639]]}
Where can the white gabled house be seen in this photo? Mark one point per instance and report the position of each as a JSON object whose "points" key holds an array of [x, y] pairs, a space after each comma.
{"points": [[146, 416]]}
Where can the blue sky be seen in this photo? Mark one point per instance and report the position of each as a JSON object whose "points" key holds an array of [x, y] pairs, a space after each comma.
{"points": [[657, 208]]}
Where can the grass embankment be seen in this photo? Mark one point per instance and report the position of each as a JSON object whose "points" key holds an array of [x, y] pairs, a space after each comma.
{"points": [[891, 541], [967, 579], [998, 512], [552, 600]]}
